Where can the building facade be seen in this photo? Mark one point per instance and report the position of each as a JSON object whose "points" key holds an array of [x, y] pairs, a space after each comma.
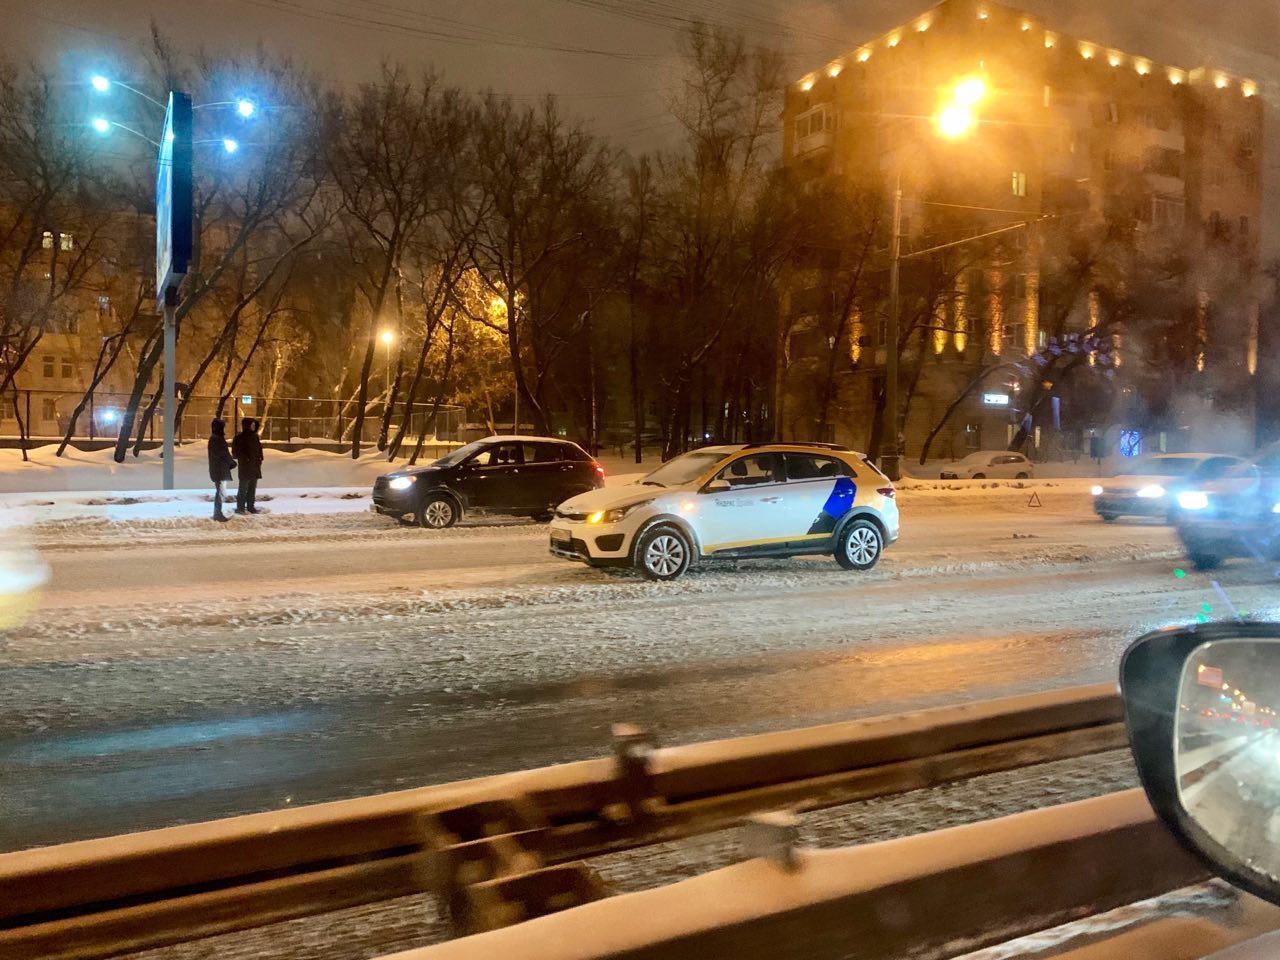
{"points": [[993, 123]]}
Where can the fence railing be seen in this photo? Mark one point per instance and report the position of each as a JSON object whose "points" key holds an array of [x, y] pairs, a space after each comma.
{"points": [[46, 414], [98, 898]]}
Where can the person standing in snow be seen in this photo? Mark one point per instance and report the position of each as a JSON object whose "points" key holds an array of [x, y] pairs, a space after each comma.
{"points": [[221, 464], [247, 450]]}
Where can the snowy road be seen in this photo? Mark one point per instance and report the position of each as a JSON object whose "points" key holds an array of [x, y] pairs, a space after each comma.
{"points": [[181, 673]]}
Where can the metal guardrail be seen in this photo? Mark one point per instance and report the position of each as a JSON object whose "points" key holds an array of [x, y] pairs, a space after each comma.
{"points": [[939, 894], [506, 848]]}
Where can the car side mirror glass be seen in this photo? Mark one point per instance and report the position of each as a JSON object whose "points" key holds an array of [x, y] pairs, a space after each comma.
{"points": [[1203, 709], [717, 486]]}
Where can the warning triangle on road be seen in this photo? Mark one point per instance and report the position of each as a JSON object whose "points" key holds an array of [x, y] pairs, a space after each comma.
{"points": [[1035, 500]]}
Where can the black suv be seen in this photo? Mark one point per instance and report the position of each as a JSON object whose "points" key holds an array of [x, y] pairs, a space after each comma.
{"points": [[524, 476]]}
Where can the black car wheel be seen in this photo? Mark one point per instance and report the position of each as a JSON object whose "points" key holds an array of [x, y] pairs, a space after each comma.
{"points": [[1021, 476], [663, 553], [859, 545], [1108, 517], [438, 511], [979, 476]]}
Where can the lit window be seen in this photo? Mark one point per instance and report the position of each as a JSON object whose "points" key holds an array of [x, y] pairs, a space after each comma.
{"points": [[1019, 183], [47, 240], [66, 241]]}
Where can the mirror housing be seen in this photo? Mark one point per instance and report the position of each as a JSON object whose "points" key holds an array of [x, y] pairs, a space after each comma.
{"points": [[1202, 707], [717, 486]]}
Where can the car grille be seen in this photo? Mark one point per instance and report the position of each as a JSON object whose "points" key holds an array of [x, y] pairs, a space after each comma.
{"points": [[380, 485]]}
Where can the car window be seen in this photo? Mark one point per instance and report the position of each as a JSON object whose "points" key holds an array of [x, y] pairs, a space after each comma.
{"points": [[499, 455], [461, 454], [804, 466], [1160, 467], [571, 451], [543, 452], [685, 468], [1214, 467], [1269, 464], [753, 470]]}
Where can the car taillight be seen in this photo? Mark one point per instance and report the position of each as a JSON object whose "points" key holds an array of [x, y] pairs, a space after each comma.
{"points": [[886, 492], [600, 469]]}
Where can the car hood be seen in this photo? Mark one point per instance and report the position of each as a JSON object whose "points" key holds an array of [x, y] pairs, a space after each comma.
{"points": [[608, 498], [410, 472], [1137, 481]]}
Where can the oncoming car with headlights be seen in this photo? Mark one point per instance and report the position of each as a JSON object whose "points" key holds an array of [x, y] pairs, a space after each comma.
{"points": [[1150, 486], [734, 502]]}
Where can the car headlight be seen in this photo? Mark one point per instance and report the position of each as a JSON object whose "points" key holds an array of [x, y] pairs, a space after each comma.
{"points": [[1151, 491], [614, 515], [401, 483], [1096, 490], [1193, 500]]}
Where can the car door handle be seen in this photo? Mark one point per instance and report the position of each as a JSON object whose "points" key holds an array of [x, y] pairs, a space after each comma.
{"points": [[770, 499]]}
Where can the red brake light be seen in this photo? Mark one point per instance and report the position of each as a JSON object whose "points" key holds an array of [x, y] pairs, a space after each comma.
{"points": [[600, 469], [886, 492]]}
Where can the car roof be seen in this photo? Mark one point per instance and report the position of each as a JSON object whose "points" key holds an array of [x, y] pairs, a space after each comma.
{"points": [[522, 438]]}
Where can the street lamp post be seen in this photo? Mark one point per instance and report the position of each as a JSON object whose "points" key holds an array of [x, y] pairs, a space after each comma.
{"points": [[955, 120], [889, 461]]}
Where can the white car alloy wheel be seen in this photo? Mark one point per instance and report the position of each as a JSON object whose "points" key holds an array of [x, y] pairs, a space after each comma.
{"points": [[438, 514], [860, 545], [664, 554]]}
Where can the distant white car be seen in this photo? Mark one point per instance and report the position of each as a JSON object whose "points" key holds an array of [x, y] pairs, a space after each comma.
{"points": [[990, 464]]}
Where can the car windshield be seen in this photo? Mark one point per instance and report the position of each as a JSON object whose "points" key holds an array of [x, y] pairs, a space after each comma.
{"points": [[1161, 467], [461, 454], [685, 468]]}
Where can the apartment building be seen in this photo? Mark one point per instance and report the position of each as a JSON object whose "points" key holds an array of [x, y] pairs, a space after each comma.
{"points": [[987, 117]]}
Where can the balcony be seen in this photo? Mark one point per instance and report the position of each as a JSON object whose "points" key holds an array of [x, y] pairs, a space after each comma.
{"points": [[814, 142]]}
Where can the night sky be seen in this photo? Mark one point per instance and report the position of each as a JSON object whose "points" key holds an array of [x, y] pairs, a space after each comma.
{"points": [[612, 60]]}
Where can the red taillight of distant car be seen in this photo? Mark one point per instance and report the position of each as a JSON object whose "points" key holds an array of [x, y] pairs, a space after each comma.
{"points": [[600, 469], [886, 492]]}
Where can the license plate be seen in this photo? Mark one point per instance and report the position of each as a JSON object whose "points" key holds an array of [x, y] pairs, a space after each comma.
{"points": [[560, 536]]}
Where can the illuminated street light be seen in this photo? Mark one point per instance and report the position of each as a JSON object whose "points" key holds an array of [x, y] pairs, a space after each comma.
{"points": [[245, 107], [100, 83], [970, 91], [387, 337], [229, 145], [956, 121], [101, 124]]}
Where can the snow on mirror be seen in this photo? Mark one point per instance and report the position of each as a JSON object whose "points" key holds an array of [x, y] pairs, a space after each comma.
{"points": [[1227, 749]]}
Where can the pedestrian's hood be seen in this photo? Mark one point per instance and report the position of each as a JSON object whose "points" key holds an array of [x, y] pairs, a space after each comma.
{"points": [[608, 498]]}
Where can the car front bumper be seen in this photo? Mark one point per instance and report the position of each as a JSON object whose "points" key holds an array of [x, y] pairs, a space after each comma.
{"points": [[1127, 505], [394, 503], [601, 545], [1231, 538]]}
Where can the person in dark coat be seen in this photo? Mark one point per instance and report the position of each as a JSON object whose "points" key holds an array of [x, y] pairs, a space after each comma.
{"points": [[247, 449], [221, 463]]}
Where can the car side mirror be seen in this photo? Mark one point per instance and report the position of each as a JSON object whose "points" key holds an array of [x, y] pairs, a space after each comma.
{"points": [[1202, 705], [717, 486]]}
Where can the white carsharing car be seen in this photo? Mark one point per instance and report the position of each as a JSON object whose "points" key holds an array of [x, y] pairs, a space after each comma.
{"points": [[762, 500]]}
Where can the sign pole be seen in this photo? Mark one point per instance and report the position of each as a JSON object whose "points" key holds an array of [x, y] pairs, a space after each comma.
{"points": [[173, 250], [170, 391]]}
